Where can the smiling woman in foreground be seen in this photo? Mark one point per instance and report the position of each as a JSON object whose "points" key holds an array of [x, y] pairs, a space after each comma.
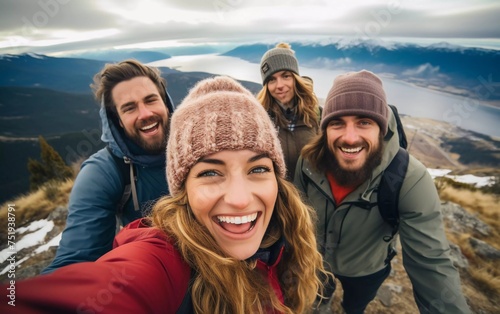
{"points": [[233, 237]]}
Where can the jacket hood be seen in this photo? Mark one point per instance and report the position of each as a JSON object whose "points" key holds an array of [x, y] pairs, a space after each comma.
{"points": [[121, 146], [391, 145]]}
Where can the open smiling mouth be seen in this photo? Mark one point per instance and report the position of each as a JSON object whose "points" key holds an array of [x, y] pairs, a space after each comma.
{"points": [[237, 224], [150, 127], [347, 150]]}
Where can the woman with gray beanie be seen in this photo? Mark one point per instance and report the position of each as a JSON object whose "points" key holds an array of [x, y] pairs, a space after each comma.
{"points": [[290, 101], [233, 237]]}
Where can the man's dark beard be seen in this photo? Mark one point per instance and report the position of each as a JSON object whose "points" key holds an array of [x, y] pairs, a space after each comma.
{"points": [[155, 148], [353, 177]]}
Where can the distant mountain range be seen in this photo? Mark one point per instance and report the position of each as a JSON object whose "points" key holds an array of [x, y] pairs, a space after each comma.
{"points": [[48, 96], [60, 74], [118, 55], [41, 95], [149, 55], [471, 72]]}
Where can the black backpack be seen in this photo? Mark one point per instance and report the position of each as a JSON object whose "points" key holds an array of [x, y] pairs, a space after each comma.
{"points": [[392, 180]]}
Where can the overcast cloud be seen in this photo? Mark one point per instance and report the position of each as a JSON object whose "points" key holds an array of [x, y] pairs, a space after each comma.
{"points": [[51, 26]]}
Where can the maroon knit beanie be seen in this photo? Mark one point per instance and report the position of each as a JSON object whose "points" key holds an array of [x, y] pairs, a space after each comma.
{"points": [[218, 114], [356, 94]]}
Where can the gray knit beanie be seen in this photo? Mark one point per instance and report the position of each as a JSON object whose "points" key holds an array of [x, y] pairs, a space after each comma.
{"points": [[218, 114], [280, 58], [356, 94]]}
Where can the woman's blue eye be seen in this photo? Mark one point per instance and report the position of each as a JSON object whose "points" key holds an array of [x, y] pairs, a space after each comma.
{"points": [[207, 173], [260, 170]]}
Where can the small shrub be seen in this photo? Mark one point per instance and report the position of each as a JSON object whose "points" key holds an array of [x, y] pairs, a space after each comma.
{"points": [[51, 190], [50, 167]]}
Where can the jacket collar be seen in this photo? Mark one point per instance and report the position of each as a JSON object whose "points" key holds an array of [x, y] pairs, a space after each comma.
{"points": [[272, 255]]}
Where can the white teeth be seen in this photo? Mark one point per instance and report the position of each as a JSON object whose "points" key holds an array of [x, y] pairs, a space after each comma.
{"points": [[238, 220], [147, 127], [351, 150]]}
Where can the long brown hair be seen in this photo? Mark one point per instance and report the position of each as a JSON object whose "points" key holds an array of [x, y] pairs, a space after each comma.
{"points": [[226, 285], [316, 151]]}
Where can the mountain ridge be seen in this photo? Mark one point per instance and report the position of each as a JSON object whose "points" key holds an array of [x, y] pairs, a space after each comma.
{"points": [[458, 70], [69, 120]]}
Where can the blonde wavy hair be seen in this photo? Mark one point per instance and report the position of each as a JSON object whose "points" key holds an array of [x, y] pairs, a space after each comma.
{"points": [[226, 285]]}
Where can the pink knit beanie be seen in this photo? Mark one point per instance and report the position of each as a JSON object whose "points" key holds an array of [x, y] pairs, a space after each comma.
{"points": [[218, 114], [356, 94]]}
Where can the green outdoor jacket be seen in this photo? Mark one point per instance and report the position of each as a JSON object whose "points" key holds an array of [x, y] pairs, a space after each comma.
{"points": [[351, 238]]}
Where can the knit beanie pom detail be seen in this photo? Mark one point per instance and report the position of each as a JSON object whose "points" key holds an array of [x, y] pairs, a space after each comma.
{"points": [[280, 58]]}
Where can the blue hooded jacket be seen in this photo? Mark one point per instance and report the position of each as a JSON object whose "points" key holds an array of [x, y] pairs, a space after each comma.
{"points": [[98, 189]]}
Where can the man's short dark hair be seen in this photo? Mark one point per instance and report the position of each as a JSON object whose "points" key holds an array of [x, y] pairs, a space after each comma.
{"points": [[115, 73]]}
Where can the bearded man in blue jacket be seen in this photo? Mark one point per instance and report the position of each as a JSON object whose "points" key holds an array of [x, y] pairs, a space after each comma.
{"points": [[135, 113]]}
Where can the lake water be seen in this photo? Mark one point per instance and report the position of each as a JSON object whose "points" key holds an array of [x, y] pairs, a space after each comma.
{"points": [[411, 100]]}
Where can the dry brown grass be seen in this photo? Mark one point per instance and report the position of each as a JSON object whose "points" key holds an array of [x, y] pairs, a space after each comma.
{"points": [[486, 206], [481, 281], [36, 205]]}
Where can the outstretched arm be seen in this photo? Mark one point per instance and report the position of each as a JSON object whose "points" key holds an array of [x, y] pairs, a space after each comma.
{"points": [[426, 251], [145, 276], [91, 223]]}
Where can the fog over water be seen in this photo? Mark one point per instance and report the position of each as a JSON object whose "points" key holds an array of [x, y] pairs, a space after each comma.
{"points": [[411, 100]]}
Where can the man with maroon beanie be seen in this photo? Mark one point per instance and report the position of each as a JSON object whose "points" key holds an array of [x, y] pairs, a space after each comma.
{"points": [[340, 173]]}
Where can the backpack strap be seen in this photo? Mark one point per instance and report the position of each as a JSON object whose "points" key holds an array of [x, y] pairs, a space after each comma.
{"points": [[132, 179], [388, 192], [129, 178], [403, 142]]}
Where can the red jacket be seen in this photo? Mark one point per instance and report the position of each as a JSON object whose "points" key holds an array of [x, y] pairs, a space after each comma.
{"points": [[144, 273]]}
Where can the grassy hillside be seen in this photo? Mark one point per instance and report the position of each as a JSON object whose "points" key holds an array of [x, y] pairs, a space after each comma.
{"points": [[14, 157]]}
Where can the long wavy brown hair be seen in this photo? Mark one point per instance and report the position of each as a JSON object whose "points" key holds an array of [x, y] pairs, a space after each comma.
{"points": [[226, 285], [307, 103], [316, 151]]}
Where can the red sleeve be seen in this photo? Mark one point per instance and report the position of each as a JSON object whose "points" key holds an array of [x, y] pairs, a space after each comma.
{"points": [[145, 276]]}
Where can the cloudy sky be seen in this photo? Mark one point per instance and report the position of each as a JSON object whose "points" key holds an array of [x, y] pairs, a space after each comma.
{"points": [[55, 26]]}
